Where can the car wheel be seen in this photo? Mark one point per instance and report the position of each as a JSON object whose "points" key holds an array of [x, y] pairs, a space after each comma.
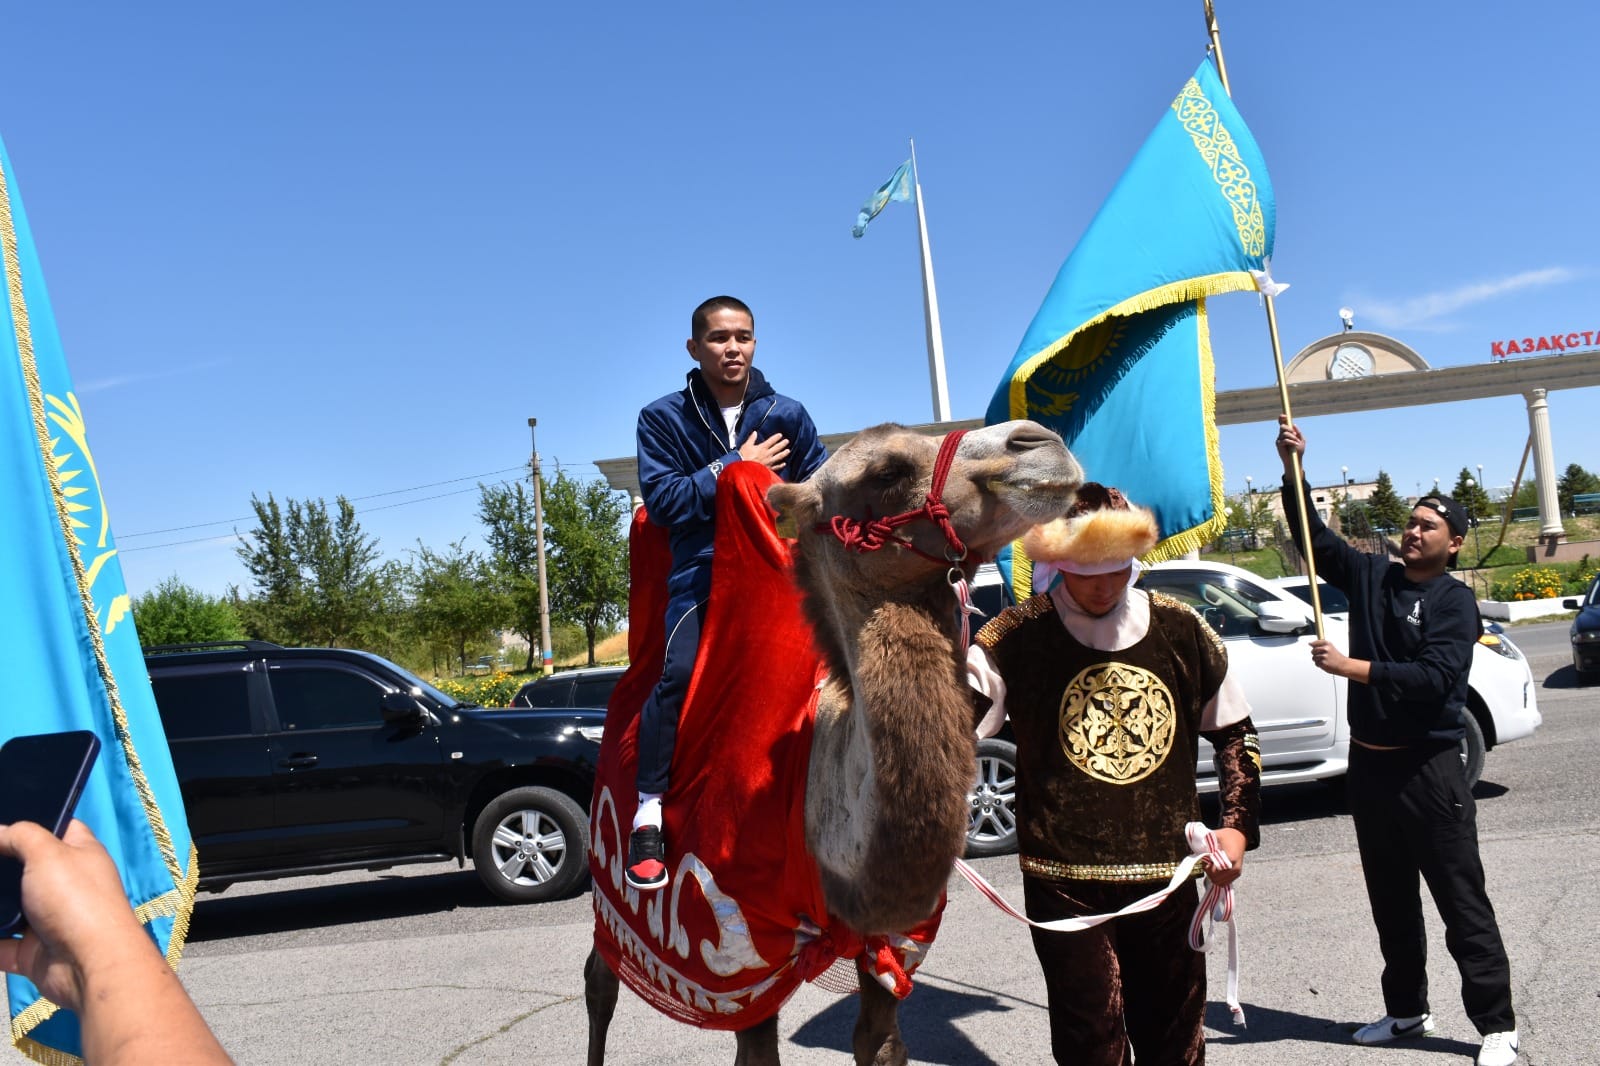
{"points": [[1472, 748], [992, 829], [531, 844]]}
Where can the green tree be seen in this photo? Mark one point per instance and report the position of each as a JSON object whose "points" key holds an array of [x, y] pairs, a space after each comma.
{"points": [[1385, 508], [506, 512], [274, 612], [174, 613], [1473, 497], [1256, 515], [454, 603], [1574, 479], [317, 575], [587, 555], [1527, 494]]}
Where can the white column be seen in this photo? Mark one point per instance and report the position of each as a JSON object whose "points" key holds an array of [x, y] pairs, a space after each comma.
{"points": [[930, 305], [1544, 468]]}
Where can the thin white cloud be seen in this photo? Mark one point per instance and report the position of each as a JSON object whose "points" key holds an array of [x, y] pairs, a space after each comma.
{"points": [[1427, 310], [118, 381]]}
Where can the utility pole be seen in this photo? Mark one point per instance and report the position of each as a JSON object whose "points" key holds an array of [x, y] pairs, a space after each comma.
{"points": [[546, 658]]}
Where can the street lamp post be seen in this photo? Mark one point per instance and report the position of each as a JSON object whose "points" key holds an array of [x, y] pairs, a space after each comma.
{"points": [[1344, 517], [1472, 516], [1486, 499], [546, 659], [1250, 514]]}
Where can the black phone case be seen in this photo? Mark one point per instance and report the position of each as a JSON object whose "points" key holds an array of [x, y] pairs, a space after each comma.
{"points": [[41, 777]]}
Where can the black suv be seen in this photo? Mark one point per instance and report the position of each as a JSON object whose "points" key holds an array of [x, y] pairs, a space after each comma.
{"points": [[588, 687], [309, 760]]}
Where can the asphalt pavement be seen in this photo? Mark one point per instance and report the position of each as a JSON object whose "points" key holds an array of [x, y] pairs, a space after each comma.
{"points": [[421, 966]]}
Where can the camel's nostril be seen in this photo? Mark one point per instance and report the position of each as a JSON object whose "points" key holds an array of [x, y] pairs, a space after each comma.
{"points": [[1030, 435]]}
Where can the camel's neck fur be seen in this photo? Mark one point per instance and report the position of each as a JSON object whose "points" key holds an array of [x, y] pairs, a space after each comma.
{"points": [[892, 757]]}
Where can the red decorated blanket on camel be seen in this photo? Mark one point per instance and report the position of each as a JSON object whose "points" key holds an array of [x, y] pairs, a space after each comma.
{"points": [[742, 920]]}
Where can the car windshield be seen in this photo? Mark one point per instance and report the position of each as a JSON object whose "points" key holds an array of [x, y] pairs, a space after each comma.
{"points": [[1230, 604], [1333, 601], [444, 700]]}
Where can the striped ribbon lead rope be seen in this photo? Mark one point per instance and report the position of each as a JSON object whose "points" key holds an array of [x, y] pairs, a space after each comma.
{"points": [[1216, 904]]}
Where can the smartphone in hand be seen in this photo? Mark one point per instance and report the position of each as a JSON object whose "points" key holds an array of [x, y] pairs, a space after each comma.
{"points": [[41, 778]]}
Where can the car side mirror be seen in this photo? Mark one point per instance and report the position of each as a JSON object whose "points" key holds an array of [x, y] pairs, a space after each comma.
{"points": [[1280, 618], [1571, 605], [400, 709]]}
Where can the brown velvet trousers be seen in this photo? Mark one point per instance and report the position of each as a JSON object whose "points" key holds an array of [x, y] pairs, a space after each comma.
{"points": [[1127, 987]]}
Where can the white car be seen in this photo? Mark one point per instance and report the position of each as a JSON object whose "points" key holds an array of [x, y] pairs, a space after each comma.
{"points": [[1501, 693], [1299, 711]]}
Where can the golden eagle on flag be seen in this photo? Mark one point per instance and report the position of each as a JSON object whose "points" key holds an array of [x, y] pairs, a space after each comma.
{"points": [[1118, 358], [74, 658]]}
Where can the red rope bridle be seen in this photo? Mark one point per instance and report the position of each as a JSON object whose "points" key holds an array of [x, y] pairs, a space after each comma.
{"points": [[870, 534]]}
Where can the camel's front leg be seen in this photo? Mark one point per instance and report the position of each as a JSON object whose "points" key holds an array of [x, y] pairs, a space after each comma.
{"points": [[758, 1045], [876, 1041], [600, 994]]}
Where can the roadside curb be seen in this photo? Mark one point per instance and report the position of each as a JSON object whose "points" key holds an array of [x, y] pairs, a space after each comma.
{"points": [[1517, 610]]}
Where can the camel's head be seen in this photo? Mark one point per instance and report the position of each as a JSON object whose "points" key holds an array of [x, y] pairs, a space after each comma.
{"points": [[1003, 480]]}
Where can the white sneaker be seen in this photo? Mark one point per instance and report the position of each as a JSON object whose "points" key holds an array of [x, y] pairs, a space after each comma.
{"points": [[1499, 1049], [1386, 1029]]}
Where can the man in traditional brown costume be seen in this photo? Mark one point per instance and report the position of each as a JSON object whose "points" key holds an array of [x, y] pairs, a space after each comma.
{"points": [[1109, 689]]}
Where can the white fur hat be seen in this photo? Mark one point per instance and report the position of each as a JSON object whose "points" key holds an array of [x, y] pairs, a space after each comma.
{"points": [[1102, 532]]}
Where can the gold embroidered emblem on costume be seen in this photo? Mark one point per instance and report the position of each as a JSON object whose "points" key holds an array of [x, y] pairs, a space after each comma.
{"points": [[1117, 722]]}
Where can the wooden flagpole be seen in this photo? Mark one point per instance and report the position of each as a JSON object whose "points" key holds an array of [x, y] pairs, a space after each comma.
{"points": [[1277, 362]]}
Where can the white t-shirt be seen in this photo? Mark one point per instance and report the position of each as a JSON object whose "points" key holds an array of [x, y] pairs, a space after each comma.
{"points": [[730, 415]]}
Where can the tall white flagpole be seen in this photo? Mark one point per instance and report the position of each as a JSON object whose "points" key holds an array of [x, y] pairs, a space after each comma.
{"points": [[930, 306]]}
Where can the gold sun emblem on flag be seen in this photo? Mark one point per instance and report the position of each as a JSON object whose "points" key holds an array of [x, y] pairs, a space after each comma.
{"points": [[82, 503]]}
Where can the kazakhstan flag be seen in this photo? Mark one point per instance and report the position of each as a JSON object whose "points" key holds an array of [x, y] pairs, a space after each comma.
{"points": [[1118, 359], [898, 187], [75, 661]]}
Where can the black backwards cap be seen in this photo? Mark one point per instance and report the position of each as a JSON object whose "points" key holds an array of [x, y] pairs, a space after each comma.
{"points": [[1454, 515]]}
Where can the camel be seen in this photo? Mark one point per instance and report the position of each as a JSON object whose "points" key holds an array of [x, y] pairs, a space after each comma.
{"points": [[892, 752]]}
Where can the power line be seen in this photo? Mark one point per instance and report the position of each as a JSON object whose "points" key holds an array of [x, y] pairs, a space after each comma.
{"points": [[362, 511], [353, 499], [365, 510]]}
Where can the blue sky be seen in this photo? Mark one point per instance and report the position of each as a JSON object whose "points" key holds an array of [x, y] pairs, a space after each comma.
{"points": [[323, 249]]}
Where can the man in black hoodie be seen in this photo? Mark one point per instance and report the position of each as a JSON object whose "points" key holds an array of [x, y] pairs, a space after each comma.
{"points": [[726, 413], [1412, 629]]}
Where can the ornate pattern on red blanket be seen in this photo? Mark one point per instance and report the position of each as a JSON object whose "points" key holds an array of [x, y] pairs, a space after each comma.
{"points": [[742, 921]]}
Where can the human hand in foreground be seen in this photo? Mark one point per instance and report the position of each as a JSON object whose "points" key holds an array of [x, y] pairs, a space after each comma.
{"points": [[77, 914], [1329, 658], [1290, 442], [770, 453], [1233, 845], [84, 950]]}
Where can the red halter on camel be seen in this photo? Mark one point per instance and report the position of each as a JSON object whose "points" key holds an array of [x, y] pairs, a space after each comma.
{"points": [[858, 535], [869, 535]]}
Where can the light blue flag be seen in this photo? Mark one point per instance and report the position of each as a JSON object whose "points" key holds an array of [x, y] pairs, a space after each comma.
{"points": [[898, 187], [65, 623], [1118, 358]]}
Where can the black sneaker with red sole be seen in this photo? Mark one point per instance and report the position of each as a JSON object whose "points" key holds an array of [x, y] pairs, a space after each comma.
{"points": [[647, 853]]}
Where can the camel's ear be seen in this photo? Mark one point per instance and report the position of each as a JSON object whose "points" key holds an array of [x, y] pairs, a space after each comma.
{"points": [[797, 507]]}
